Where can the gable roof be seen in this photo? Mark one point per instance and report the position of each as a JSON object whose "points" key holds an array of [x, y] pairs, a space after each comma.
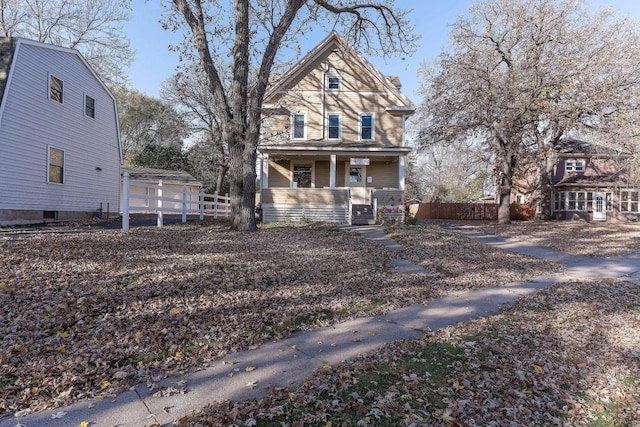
{"points": [[151, 174], [332, 41], [10, 47], [571, 147]]}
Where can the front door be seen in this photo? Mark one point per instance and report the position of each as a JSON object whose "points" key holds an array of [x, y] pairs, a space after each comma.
{"points": [[356, 180], [599, 206]]}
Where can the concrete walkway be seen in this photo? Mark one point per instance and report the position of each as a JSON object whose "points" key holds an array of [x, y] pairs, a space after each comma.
{"points": [[248, 374]]}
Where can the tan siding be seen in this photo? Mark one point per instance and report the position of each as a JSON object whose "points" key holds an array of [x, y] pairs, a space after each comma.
{"points": [[279, 173], [384, 174], [323, 173], [304, 196], [340, 172]]}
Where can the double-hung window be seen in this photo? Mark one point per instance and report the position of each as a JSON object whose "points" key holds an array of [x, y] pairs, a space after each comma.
{"points": [[333, 126], [56, 165], [55, 89], [574, 165], [299, 125], [89, 106], [366, 127], [333, 83]]}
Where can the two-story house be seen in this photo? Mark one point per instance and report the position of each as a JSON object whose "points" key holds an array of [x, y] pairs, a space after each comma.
{"points": [[333, 146], [594, 183], [60, 152], [589, 182]]}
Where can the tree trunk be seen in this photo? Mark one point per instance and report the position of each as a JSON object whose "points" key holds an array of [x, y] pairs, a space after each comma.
{"points": [[507, 166], [504, 199], [242, 180], [545, 175]]}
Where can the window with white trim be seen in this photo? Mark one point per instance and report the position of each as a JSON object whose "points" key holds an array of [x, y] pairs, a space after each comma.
{"points": [[55, 168], [56, 87], [367, 129], [333, 82], [89, 106], [299, 125], [630, 201], [333, 126], [577, 201], [574, 165]]}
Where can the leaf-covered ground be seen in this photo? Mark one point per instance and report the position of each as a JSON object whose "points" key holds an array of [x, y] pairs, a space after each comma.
{"points": [[86, 314], [595, 239], [567, 356]]}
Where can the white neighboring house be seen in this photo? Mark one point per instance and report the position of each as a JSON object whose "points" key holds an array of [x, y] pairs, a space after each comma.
{"points": [[172, 182], [60, 150]]}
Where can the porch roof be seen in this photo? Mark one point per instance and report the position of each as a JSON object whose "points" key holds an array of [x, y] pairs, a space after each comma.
{"points": [[588, 181], [334, 147]]}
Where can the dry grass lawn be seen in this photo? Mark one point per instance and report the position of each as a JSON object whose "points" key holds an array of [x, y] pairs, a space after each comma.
{"points": [[89, 314]]}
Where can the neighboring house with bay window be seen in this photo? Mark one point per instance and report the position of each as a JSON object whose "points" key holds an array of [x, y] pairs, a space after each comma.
{"points": [[333, 146], [60, 152], [594, 183]]}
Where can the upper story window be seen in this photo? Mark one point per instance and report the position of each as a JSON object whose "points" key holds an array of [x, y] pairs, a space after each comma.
{"points": [[366, 127], [333, 82], [333, 126], [299, 125], [89, 106], [55, 89], [574, 165], [56, 165]]}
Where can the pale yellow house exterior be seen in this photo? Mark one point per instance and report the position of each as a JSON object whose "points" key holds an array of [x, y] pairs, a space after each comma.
{"points": [[333, 146]]}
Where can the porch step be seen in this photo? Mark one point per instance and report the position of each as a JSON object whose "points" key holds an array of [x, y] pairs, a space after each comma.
{"points": [[362, 215]]}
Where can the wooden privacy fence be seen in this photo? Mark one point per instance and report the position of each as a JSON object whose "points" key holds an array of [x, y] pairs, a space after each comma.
{"points": [[469, 211], [140, 197], [462, 211]]}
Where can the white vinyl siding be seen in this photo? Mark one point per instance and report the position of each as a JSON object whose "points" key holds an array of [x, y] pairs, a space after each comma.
{"points": [[92, 154]]}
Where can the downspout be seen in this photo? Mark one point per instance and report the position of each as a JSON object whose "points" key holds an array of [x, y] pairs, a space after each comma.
{"points": [[324, 107]]}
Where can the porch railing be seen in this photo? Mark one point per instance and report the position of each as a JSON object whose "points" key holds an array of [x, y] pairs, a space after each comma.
{"points": [[161, 199]]}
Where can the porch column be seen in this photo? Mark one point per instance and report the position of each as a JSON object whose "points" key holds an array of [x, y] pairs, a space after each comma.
{"points": [[332, 172], [401, 172], [264, 171]]}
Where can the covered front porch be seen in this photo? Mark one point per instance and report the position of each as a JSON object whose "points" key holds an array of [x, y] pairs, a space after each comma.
{"points": [[339, 185]]}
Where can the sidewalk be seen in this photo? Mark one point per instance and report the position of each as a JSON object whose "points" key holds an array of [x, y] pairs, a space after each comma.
{"points": [[248, 374]]}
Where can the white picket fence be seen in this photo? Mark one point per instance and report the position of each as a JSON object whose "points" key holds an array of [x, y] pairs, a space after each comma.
{"points": [[139, 197]]}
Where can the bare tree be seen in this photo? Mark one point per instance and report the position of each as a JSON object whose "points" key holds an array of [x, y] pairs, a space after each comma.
{"points": [[92, 27], [524, 74], [251, 34], [188, 91]]}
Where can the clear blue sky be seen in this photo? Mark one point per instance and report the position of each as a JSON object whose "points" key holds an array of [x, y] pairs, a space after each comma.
{"points": [[155, 63]]}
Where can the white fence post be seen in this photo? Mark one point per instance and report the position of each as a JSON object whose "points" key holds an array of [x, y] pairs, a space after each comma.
{"points": [[215, 205], [184, 204], [201, 204], [160, 219], [125, 204], [227, 205]]}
